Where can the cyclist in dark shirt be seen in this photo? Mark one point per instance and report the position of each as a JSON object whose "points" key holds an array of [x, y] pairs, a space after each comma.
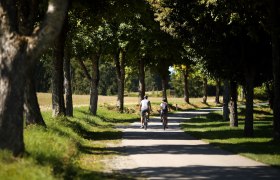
{"points": [[164, 110]]}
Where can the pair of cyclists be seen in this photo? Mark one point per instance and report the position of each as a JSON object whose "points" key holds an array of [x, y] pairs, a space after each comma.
{"points": [[145, 107]]}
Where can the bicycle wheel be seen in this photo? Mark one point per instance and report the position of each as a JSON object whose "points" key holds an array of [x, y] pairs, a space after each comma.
{"points": [[164, 122], [145, 122]]}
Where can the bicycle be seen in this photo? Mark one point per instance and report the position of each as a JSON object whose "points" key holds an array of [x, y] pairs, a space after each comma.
{"points": [[145, 117], [164, 120]]}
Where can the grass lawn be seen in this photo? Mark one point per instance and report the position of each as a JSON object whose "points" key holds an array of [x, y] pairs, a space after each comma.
{"points": [[69, 148], [214, 130]]}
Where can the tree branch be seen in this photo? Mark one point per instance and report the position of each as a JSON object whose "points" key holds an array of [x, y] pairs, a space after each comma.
{"points": [[85, 70], [50, 29], [117, 63], [8, 16]]}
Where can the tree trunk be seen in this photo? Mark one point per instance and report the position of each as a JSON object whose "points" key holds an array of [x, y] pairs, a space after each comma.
{"points": [[58, 106], [12, 83], [164, 86], [94, 81], [31, 106], [218, 84], [233, 104], [186, 86], [243, 93], [204, 90], [17, 55], [67, 82], [226, 99], [248, 128], [28, 13], [270, 94], [94, 84], [276, 66], [141, 79], [120, 68]]}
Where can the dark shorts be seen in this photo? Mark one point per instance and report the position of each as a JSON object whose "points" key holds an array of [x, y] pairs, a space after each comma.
{"points": [[163, 112], [142, 113]]}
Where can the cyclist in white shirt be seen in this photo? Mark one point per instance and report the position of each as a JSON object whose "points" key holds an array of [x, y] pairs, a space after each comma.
{"points": [[145, 106]]}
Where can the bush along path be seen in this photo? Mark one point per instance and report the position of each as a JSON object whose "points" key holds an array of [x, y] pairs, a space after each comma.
{"points": [[173, 154]]}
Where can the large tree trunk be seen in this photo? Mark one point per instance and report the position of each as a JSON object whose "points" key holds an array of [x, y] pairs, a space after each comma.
{"points": [[233, 104], [186, 86], [218, 84], [248, 128], [31, 106], [164, 86], [120, 68], [18, 53], [276, 66], [58, 105], [94, 84], [28, 13], [141, 72], [204, 90], [226, 97], [12, 83], [67, 82]]}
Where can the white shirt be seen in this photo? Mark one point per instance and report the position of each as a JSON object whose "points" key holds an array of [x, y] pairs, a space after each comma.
{"points": [[163, 105], [144, 104]]}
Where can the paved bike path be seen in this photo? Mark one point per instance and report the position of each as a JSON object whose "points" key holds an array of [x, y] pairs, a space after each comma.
{"points": [[172, 154]]}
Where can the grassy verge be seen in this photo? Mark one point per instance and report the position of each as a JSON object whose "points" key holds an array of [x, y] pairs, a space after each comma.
{"points": [[214, 130], [69, 148]]}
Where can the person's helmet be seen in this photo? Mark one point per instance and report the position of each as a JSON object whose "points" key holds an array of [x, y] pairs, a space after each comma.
{"points": [[145, 97]]}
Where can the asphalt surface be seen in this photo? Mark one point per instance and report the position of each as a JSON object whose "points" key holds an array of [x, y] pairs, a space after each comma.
{"points": [[172, 154]]}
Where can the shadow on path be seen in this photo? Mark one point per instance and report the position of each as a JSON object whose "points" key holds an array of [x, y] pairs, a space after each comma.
{"points": [[205, 172], [172, 154]]}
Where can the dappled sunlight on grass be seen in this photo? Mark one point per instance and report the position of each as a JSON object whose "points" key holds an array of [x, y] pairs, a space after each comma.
{"points": [[69, 148]]}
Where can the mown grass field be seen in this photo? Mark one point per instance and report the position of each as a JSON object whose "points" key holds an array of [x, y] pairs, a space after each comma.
{"points": [[45, 101]]}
